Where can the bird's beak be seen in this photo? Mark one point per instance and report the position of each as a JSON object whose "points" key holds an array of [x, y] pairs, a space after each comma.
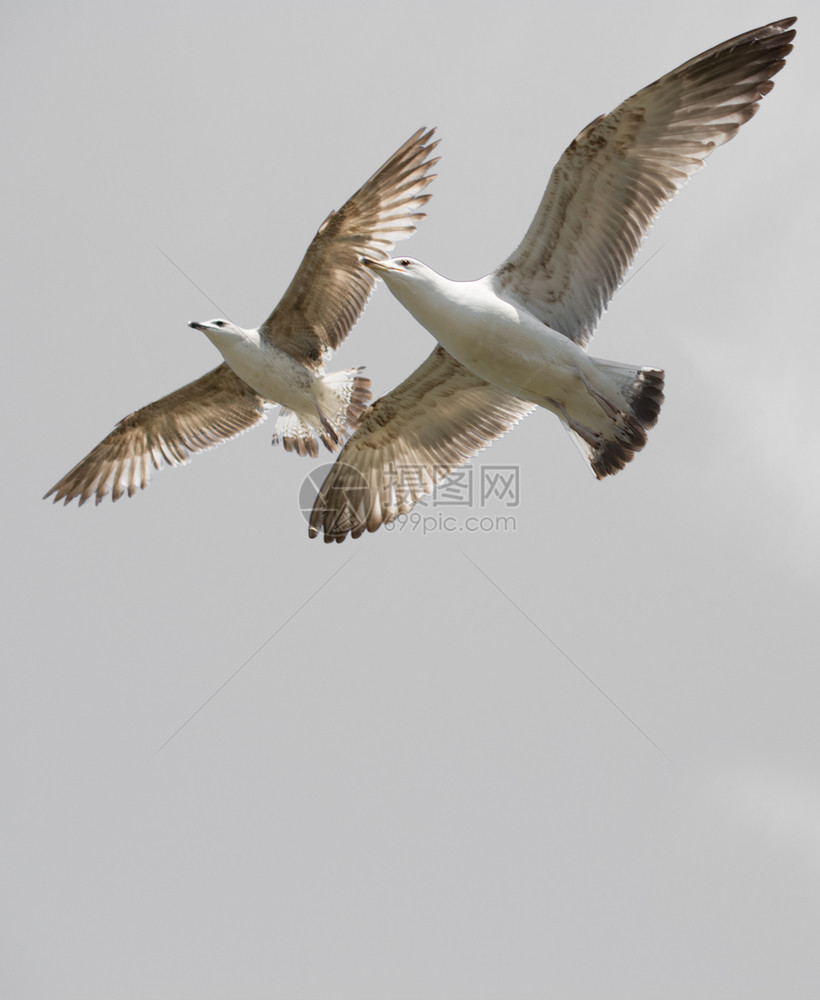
{"points": [[197, 326], [379, 265]]}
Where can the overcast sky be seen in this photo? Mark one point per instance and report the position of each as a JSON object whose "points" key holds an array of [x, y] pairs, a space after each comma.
{"points": [[573, 754]]}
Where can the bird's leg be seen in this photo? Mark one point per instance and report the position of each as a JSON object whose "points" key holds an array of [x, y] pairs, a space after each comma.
{"points": [[608, 408], [587, 434], [329, 429]]}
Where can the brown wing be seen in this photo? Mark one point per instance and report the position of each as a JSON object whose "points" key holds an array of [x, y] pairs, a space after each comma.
{"points": [[331, 287], [613, 180], [408, 441], [203, 413]]}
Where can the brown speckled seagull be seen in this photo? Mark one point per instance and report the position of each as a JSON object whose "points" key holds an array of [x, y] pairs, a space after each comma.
{"points": [[281, 362], [517, 338]]}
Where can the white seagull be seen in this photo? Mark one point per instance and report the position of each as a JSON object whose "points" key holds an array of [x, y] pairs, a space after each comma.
{"points": [[281, 362], [517, 337]]}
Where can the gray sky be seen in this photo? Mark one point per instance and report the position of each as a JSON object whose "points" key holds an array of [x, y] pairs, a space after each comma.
{"points": [[438, 772]]}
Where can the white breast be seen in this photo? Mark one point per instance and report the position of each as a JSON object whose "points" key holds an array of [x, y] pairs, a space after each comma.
{"points": [[274, 374], [498, 341]]}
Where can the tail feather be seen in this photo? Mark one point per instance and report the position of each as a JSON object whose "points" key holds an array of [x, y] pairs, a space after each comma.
{"points": [[644, 391], [352, 394], [627, 413], [295, 433], [341, 400]]}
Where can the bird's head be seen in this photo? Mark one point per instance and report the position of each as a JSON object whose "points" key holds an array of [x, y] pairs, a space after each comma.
{"points": [[220, 331], [408, 279]]}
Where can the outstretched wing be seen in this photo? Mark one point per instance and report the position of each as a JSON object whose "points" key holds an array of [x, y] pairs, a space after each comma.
{"points": [[203, 413], [408, 441], [331, 287], [613, 180]]}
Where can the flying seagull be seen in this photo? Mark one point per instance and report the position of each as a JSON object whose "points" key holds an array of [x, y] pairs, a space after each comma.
{"points": [[516, 338], [283, 361]]}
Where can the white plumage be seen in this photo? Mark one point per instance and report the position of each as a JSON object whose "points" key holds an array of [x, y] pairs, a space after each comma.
{"points": [[282, 361], [517, 337]]}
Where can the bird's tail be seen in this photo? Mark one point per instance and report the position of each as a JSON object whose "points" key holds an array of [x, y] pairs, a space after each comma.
{"points": [[341, 399], [627, 402]]}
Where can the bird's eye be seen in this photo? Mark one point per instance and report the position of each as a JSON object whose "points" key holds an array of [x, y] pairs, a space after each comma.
{"points": [[405, 262], [219, 322]]}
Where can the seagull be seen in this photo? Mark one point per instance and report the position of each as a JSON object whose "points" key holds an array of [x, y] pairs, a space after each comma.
{"points": [[516, 339], [283, 360]]}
